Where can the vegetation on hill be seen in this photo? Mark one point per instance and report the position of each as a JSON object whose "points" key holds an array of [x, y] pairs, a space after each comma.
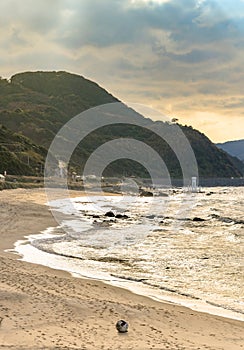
{"points": [[211, 160], [39, 104], [35, 105], [19, 155]]}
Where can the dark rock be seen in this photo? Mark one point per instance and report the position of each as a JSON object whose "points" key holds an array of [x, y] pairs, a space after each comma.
{"points": [[110, 214], [121, 216], [198, 219], [95, 216], [146, 194], [150, 217]]}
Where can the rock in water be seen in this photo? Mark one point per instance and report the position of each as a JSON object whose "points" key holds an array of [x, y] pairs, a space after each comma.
{"points": [[198, 219], [121, 216], [146, 194], [110, 214], [122, 326]]}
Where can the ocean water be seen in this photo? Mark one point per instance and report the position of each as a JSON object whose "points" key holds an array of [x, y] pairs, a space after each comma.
{"points": [[181, 247]]}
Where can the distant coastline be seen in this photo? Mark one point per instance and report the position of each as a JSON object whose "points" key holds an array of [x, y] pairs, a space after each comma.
{"points": [[113, 184]]}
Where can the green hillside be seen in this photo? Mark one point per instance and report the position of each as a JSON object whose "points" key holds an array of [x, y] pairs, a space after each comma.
{"points": [[212, 162], [37, 104], [19, 155]]}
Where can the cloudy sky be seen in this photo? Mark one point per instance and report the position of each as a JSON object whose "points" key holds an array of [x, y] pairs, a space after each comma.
{"points": [[183, 58]]}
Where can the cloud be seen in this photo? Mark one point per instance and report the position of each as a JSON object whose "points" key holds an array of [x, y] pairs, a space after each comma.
{"points": [[184, 53], [111, 22], [40, 16]]}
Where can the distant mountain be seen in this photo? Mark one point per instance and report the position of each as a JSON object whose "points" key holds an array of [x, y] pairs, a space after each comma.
{"points": [[37, 104], [234, 148]]}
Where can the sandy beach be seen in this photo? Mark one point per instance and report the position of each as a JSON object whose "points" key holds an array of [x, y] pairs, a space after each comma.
{"points": [[41, 308]]}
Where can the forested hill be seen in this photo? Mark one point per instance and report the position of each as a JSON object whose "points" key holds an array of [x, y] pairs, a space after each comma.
{"points": [[37, 104], [19, 155]]}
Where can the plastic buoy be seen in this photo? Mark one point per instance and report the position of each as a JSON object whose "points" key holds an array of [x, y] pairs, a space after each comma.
{"points": [[122, 326]]}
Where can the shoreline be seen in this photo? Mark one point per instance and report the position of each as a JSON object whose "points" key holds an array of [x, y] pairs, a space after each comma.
{"points": [[131, 285], [88, 315]]}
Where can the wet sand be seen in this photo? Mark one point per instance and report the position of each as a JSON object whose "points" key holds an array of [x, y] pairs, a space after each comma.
{"points": [[41, 308]]}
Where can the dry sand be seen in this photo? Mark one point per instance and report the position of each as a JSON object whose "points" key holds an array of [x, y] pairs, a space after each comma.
{"points": [[41, 308]]}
